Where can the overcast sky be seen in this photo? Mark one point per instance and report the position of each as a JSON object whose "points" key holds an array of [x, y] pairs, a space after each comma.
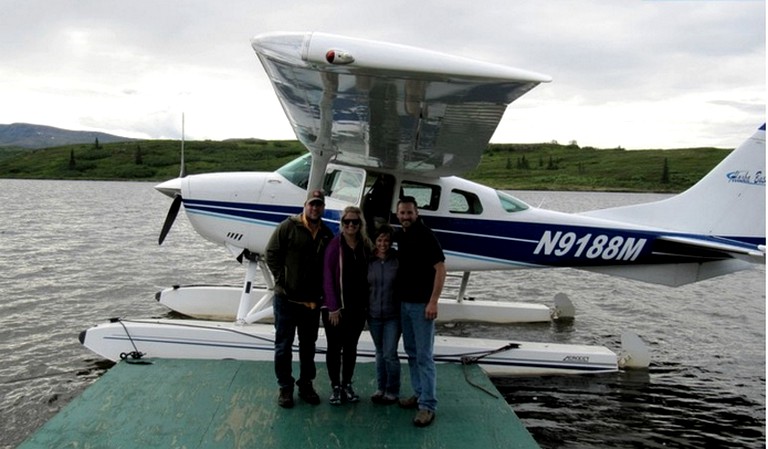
{"points": [[629, 73]]}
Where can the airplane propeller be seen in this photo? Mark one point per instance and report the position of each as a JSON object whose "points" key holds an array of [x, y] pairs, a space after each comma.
{"points": [[170, 218], [176, 204]]}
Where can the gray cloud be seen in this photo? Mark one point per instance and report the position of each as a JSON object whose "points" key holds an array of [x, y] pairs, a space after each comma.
{"points": [[143, 62]]}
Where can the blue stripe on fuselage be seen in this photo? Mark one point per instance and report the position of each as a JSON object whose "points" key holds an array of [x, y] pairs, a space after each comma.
{"points": [[509, 242], [261, 214]]}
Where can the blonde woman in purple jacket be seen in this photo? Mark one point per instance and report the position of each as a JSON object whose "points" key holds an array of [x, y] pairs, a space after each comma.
{"points": [[345, 288]]}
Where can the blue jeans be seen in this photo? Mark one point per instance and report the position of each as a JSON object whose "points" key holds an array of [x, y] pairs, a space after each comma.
{"points": [[419, 342], [386, 335], [291, 318]]}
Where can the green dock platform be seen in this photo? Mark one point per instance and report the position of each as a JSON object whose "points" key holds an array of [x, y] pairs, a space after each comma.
{"points": [[232, 404]]}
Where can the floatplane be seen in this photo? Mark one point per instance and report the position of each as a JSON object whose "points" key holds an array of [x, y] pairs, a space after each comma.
{"points": [[381, 121]]}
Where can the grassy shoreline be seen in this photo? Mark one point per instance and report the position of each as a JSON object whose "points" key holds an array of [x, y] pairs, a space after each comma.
{"points": [[546, 166]]}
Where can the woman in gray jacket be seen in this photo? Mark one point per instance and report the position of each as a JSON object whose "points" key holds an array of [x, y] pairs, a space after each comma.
{"points": [[384, 316]]}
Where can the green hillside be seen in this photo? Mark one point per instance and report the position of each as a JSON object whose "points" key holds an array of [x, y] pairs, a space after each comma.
{"points": [[150, 160], [505, 166], [569, 167]]}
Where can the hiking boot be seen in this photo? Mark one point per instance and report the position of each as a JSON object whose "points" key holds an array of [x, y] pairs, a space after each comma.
{"points": [[335, 398], [411, 402], [349, 394], [308, 394], [424, 418], [285, 398]]}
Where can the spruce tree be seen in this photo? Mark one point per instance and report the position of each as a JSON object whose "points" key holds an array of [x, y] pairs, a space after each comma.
{"points": [[665, 172]]}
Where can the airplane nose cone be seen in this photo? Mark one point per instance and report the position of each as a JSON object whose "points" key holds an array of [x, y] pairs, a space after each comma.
{"points": [[170, 188]]}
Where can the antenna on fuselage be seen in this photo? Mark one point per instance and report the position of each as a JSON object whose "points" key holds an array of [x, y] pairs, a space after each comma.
{"points": [[183, 168]]}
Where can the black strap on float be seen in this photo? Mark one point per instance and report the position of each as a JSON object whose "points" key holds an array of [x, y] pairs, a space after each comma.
{"points": [[133, 357]]}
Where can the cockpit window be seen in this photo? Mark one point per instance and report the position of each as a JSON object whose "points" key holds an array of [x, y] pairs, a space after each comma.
{"points": [[345, 184], [297, 171], [510, 203], [342, 183]]}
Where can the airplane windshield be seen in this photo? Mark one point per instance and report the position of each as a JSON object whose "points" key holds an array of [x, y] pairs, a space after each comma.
{"points": [[297, 171], [510, 203]]}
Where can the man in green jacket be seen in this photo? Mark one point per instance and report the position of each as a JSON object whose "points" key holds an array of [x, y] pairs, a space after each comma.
{"points": [[295, 257]]}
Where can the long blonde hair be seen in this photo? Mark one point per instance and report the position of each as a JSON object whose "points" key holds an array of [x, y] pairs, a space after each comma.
{"points": [[363, 228]]}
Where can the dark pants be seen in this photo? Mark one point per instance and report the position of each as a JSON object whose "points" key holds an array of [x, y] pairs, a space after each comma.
{"points": [[291, 317], [342, 345]]}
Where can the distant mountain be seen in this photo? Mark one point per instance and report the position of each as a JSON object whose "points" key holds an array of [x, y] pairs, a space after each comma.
{"points": [[25, 135]]}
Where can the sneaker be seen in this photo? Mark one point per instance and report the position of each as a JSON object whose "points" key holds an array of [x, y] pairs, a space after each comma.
{"points": [[349, 394], [308, 394], [335, 398], [424, 418], [388, 399], [411, 402], [285, 398], [377, 397]]}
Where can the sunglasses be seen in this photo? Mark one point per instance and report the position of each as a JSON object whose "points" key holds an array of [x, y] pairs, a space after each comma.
{"points": [[351, 221]]}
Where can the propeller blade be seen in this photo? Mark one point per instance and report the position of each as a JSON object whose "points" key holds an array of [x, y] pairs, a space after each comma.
{"points": [[170, 218]]}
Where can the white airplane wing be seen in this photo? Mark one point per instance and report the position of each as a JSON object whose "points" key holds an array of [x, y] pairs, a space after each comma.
{"points": [[378, 105]]}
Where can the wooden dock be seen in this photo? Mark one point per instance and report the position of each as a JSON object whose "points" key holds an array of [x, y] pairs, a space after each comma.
{"points": [[233, 404]]}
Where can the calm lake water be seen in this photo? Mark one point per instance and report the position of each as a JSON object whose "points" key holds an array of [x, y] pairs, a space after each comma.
{"points": [[73, 254]]}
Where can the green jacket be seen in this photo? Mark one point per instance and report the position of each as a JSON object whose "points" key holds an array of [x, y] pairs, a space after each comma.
{"points": [[296, 260]]}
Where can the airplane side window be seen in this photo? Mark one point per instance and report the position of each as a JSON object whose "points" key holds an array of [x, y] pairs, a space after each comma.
{"points": [[427, 196], [511, 204], [464, 203]]}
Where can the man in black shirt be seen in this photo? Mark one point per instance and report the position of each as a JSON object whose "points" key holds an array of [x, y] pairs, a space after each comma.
{"points": [[420, 282]]}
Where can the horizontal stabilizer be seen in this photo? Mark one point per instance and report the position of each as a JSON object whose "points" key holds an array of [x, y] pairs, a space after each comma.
{"points": [[674, 275], [748, 253]]}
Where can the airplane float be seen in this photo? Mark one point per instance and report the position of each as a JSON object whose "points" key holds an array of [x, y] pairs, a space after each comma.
{"points": [[381, 121]]}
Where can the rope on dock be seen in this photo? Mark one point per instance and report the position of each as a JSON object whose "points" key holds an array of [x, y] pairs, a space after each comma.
{"points": [[467, 360], [471, 359]]}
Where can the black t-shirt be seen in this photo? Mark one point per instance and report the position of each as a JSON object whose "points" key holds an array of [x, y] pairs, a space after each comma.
{"points": [[418, 251]]}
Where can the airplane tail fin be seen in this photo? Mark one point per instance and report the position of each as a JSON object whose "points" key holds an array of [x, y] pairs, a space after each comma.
{"points": [[729, 202]]}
